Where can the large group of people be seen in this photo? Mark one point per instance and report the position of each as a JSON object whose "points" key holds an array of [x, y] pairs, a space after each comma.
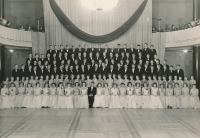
{"points": [[125, 78]]}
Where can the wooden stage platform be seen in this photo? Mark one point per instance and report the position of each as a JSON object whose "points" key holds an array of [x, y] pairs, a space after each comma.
{"points": [[99, 123]]}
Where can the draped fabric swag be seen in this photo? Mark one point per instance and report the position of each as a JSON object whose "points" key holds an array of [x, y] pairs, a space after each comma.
{"points": [[65, 21], [38, 43]]}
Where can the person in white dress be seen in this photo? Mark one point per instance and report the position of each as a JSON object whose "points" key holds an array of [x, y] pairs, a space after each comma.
{"points": [[137, 95], [130, 100], [162, 93], [155, 98], [114, 100], [69, 96], [192, 81], [61, 97], [106, 95], [28, 97], [146, 100], [37, 98], [45, 96], [110, 80], [76, 95], [53, 96], [12, 94], [170, 100], [185, 96], [41, 81], [122, 97], [83, 96], [194, 97], [88, 81], [98, 98], [177, 95], [19, 97], [4, 103]]}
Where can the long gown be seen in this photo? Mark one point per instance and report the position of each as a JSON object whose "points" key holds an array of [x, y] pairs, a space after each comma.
{"points": [[61, 98], [138, 97], [146, 100], [76, 97], [114, 100], [155, 99], [185, 98], [28, 97], [106, 100], [69, 97], [170, 99], [110, 83], [98, 98], [177, 96], [12, 95], [194, 98], [19, 97], [45, 97], [4, 99], [129, 97], [162, 92], [37, 98], [83, 98], [52, 98], [122, 98]]}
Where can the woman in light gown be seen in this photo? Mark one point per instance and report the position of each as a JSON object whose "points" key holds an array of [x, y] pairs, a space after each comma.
{"points": [[95, 80], [88, 81], [69, 96], [37, 98], [28, 97], [26, 82], [76, 90], [35, 81], [12, 94], [45, 96], [66, 80], [130, 100], [150, 82], [4, 103], [146, 100], [83, 96], [53, 96], [170, 100], [155, 98], [137, 95], [185, 96], [114, 100], [122, 97], [41, 81], [110, 80], [98, 98], [162, 93], [106, 96], [19, 97], [177, 96], [192, 81], [61, 97], [51, 81], [132, 81], [6, 82], [16, 82], [194, 97]]}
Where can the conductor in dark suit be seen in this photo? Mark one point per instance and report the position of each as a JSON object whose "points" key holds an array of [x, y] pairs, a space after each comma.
{"points": [[179, 72], [91, 93]]}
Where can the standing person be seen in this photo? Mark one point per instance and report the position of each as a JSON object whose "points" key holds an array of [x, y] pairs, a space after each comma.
{"points": [[19, 97], [146, 100], [91, 93], [69, 96], [106, 97], [98, 98], [28, 97], [155, 99], [61, 97], [177, 95], [114, 100], [53, 96], [162, 92], [192, 81], [122, 97], [4, 97], [37, 99], [45, 96], [185, 96], [83, 96], [194, 97], [76, 95], [137, 95], [170, 100], [130, 101], [12, 95]]}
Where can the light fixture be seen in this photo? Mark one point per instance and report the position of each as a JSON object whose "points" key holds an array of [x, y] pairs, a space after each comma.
{"points": [[185, 51], [99, 4], [11, 50]]}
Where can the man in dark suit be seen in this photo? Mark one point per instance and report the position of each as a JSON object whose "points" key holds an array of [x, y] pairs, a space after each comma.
{"points": [[89, 71], [125, 70], [55, 50], [165, 64], [30, 57], [91, 93], [36, 58], [62, 50], [29, 71], [48, 71], [152, 52], [171, 72], [132, 50], [165, 72], [50, 51], [145, 51], [35, 71], [22, 71], [152, 71], [159, 71], [60, 70], [41, 71], [139, 71], [133, 71], [145, 70], [179, 72], [117, 50], [138, 51], [15, 71]]}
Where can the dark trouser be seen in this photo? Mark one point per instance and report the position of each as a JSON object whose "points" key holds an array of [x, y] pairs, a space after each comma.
{"points": [[91, 101]]}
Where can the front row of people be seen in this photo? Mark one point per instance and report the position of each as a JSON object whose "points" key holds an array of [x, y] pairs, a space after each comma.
{"points": [[105, 97]]}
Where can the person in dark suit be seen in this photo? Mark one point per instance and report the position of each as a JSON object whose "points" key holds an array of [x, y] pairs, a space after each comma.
{"points": [[15, 72], [59, 59], [29, 71], [60, 70], [132, 50], [133, 71], [91, 93], [152, 52], [125, 70], [145, 51], [117, 50], [41, 71], [55, 50], [42, 59], [50, 51], [36, 58], [152, 71], [22, 71], [171, 72], [89, 71], [139, 71], [165, 63], [159, 71], [138, 51], [165, 72], [179, 72], [35, 71], [30, 57], [62, 50], [145, 70], [48, 71]]}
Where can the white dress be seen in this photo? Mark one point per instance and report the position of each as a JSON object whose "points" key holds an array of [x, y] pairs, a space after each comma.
{"points": [[146, 100], [53, 98], [122, 98], [170, 100], [155, 99], [130, 99], [28, 97], [98, 98], [45, 97], [106, 98], [177, 96], [19, 98], [61, 98], [69, 97], [83, 98], [138, 97], [185, 98], [114, 100], [37, 98], [194, 98], [163, 97], [4, 103], [12, 95]]}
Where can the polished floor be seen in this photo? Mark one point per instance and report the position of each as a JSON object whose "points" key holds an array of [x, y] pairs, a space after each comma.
{"points": [[99, 123]]}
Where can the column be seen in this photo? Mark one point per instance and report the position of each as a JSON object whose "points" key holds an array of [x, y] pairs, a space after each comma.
{"points": [[196, 9], [196, 64], [2, 9], [2, 56]]}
